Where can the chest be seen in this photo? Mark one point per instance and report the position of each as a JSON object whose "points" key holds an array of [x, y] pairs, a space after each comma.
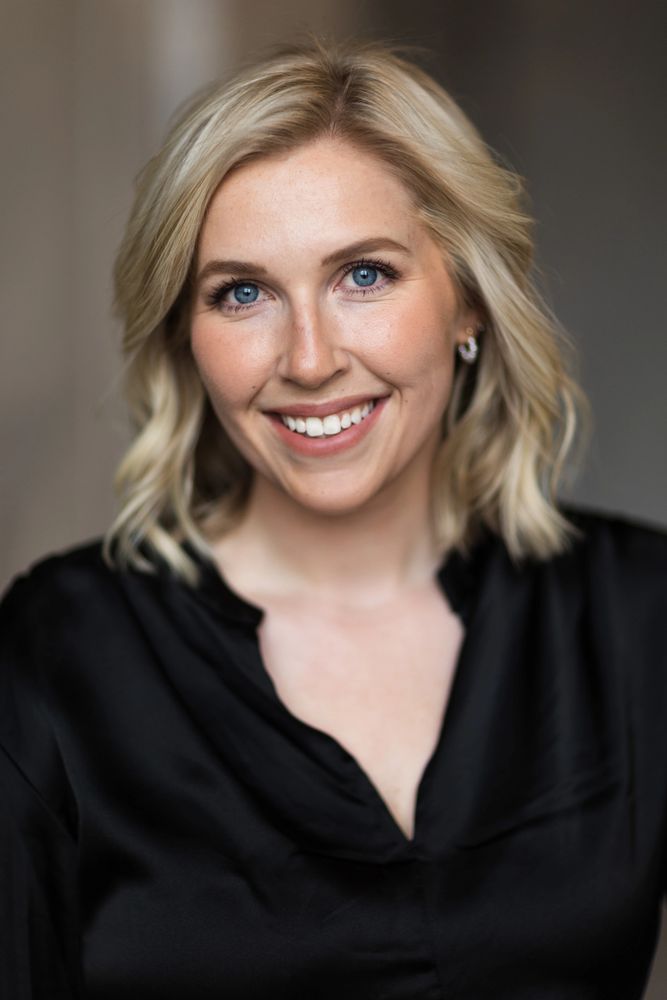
{"points": [[378, 683]]}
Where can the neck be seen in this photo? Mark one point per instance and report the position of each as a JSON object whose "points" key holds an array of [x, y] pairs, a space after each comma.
{"points": [[368, 556]]}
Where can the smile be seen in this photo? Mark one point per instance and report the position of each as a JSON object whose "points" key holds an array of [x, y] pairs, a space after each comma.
{"points": [[321, 437], [330, 425]]}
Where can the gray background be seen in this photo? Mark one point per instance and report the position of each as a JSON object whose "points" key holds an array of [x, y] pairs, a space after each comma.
{"points": [[572, 94]]}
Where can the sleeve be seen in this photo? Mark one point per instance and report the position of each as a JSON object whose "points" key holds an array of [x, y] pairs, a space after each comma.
{"points": [[39, 938]]}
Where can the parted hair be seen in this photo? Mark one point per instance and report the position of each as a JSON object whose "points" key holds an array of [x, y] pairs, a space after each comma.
{"points": [[510, 423]]}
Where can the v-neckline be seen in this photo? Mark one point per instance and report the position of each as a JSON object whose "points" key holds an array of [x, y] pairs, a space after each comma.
{"points": [[407, 844], [457, 578]]}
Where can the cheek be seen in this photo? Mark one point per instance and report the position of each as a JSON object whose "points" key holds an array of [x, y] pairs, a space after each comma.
{"points": [[230, 371], [416, 347]]}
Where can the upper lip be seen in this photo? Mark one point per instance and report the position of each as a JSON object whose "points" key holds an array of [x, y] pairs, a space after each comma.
{"points": [[322, 409]]}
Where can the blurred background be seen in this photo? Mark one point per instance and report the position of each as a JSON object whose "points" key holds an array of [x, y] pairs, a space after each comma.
{"points": [[570, 93]]}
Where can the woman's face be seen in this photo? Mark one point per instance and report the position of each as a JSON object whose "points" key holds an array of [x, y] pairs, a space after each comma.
{"points": [[318, 290]]}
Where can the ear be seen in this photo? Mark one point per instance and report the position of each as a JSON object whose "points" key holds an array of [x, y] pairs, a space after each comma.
{"points": [[470, 325]]}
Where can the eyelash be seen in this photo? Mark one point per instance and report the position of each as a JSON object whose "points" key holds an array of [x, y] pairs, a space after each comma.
{"points": [[216, 296]]}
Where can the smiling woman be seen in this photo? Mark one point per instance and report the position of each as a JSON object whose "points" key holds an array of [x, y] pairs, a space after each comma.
{"points": [[346, 704], [330, 328], [317, 158]]}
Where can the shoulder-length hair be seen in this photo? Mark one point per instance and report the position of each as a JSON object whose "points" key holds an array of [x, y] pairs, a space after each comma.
{"points": [[511, 418]]}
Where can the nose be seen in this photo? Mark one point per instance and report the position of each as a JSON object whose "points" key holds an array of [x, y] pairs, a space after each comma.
{"points": [[312, 351]]}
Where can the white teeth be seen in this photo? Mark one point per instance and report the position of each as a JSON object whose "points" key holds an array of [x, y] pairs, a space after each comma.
{"points": [[314, 428], [330, 425]]}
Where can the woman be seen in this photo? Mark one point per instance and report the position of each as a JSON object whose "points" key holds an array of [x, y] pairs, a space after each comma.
{"points": [[347, 705]]}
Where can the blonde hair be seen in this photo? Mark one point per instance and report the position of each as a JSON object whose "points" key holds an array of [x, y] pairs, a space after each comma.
{"points": [[511, 420]]}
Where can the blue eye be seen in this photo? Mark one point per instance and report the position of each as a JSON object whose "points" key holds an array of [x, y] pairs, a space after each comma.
{"points": [[246, 293], [364, 275]]}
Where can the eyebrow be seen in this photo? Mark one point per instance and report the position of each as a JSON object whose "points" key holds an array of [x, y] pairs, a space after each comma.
{"points": [[370, 245], [364, 246]]}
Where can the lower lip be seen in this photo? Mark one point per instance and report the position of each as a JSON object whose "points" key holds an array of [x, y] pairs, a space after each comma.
{"points": [[328, 444]]}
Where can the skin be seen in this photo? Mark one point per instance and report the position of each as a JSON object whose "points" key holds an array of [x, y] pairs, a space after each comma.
{"points": [[354, 528]]}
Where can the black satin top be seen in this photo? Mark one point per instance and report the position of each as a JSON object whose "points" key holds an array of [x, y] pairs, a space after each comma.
{"points": [[169, 830]]}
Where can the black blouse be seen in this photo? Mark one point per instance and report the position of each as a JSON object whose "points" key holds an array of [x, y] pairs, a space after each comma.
{"points": [[170, 830]]}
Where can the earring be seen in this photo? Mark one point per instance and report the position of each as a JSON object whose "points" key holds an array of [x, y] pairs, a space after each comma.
{"points": [[468, 352]]}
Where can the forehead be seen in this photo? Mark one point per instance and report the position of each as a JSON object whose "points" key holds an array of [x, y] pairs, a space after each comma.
{"points": [[323, 192]]}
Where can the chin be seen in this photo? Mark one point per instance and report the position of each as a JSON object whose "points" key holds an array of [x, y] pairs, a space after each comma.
{"points": [[333, 503]]}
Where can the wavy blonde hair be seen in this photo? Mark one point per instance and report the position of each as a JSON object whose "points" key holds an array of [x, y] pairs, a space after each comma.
{"points": [[511, 419]]}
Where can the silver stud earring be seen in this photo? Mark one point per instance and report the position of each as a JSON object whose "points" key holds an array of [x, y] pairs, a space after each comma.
{"points": [[468, 352]]}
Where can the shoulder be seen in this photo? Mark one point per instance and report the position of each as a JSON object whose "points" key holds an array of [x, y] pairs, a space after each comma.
{"points": [[54, 588], [623, 547], [618, 528], [51, 597], [617, 565], [73, 583], [614, 565], [628, 548], [69, 612], [82, 564], [69, 627]]}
